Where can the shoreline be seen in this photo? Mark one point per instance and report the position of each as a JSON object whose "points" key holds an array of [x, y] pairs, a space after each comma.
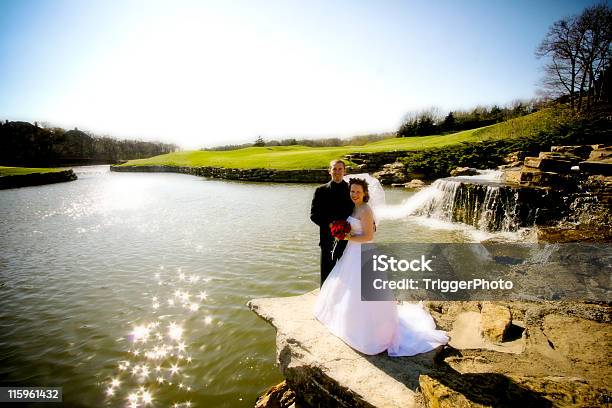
{"points": [[256, 175], [501, 353], [36, 179]]}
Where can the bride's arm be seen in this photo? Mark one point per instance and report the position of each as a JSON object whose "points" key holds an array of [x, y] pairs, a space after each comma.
{"points": [[367, 223]]}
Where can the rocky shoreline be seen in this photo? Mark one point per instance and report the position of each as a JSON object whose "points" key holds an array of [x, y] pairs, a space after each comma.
{"points": [[366, 162], [36, 179], [579, 178], [501, 354], [258, 175]]}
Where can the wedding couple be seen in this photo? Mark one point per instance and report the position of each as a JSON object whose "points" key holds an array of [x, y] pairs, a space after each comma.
{"points": [[370, 327]]}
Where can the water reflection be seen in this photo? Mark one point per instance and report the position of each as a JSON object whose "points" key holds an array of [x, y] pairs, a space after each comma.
{"points": [[85, 304], [118, 194], [158, 355]]}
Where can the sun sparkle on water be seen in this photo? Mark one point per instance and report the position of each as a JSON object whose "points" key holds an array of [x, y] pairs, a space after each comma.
{"points": [[158, 361]]}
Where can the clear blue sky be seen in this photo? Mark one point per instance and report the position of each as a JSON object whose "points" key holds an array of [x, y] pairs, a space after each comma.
{"points": [[201, 73]]}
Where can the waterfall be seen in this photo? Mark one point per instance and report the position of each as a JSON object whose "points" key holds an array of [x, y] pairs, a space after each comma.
{"points": [[481, 201]]}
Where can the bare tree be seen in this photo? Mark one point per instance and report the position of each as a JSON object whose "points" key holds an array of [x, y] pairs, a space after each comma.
{"points": [[578, 52], [561, 46], [594, 53]]}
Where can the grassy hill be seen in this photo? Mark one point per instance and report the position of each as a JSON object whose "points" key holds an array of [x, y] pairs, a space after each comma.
{"points": [[302, 157], [17, 171]]}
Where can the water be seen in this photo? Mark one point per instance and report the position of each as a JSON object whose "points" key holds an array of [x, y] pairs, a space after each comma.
{"points": [[481, 201], [125, 288]]}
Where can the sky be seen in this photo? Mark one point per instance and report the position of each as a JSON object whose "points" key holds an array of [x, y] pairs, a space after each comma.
{"points": [[209, 73]]}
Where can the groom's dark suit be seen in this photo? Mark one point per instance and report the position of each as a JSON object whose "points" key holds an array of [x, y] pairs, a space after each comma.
{"points": [[331, 202]]}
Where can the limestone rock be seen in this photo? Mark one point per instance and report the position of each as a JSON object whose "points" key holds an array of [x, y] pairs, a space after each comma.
{"points": [[601, 152], [581, 151], [278, 396], [532, 177], [550, 164], [557, 363], [574, 159], [567, 336], [562, 391], [515, 157], [374, 161], [512, 177], [510, 166], [467, 334], [391, 173], [599, 161], [536, 177], [603, 166], [324, 371], [495, 321], [464, 171], [394, 166], [513, 391], [415, 183], [600, 185], [571, 233], [261, 175], [580, 202], [439, 395]]}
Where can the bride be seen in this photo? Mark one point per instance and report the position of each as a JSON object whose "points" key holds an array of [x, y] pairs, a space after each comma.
{"points": [[370, 327]]}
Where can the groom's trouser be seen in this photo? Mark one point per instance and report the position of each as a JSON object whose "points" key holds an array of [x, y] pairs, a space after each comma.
{"points": [[327, 262]]}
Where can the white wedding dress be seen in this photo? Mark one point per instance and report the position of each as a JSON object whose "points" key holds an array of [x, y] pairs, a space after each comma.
{"points": [[372, 327]]}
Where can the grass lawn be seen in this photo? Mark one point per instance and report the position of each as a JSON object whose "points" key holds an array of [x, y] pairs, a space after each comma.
{"points": [[303, 157], [15, 171]]}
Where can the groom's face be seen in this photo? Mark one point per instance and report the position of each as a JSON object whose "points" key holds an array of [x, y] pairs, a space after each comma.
{"points": [[337, 172]]}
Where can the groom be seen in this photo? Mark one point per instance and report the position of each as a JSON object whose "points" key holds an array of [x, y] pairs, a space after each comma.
{"points": [[331, 202]]}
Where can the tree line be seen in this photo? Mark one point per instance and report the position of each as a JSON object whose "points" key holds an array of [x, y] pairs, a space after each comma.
{"points": [[417, 123], [438, 162], [358, 140], [430, 122], [26, 144]]}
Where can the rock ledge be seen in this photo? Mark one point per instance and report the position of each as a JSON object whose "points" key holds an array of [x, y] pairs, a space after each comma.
{"points": [[545, 358]]}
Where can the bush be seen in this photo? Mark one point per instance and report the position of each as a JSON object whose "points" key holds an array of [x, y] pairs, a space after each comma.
{"points": [[438, 162], [430, 122]]}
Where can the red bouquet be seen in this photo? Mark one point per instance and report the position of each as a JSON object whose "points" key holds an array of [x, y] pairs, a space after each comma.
{"points": [[340, 229]]}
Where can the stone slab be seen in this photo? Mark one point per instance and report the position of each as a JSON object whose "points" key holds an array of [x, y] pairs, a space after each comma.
{"points": [[307, 352], [603, 167], [548, 361], [549, 164]]}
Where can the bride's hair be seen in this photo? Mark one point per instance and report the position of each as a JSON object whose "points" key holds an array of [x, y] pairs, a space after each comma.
{"points": [[362, 183]]}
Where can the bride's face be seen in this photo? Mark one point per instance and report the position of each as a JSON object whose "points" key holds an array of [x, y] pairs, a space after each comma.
{"points": [[357, 194]]}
